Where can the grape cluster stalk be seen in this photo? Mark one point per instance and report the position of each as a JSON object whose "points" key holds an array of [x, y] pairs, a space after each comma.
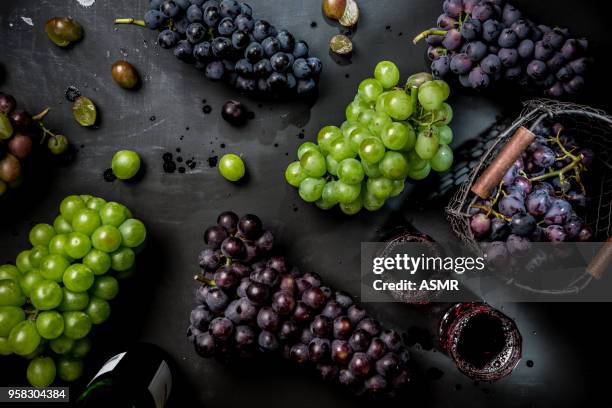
{"points": [[251, 304], [225, 41], [391, 134], [541, 198], [62, 287], [484, 41]]}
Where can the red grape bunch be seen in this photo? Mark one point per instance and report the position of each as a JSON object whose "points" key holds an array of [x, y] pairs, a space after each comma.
{"points": [[251, 304], [20, 133], [540, 198], [225, 42], [483, 41]]}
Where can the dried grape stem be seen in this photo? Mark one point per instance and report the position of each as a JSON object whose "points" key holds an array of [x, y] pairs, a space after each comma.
{"points": [[427, 33], [133, 21]]}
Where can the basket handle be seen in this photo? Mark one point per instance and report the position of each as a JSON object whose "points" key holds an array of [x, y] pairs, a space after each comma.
{"points": [[492, 175], [598, 265]]}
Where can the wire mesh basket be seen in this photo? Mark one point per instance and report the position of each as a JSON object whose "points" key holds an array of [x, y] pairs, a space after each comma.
{"points": [[592, 129]]}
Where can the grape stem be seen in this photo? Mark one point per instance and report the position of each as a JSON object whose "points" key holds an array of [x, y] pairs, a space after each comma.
{"points": [[133, 21], [490, 210], [575, 162], [202, 279], [46, 132], [427, 33]]}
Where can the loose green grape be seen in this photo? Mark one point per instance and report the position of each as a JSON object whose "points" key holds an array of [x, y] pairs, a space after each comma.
{"points": [[332, 165], [418, 79], [113, 214], [98, 310], [295, 174], [328, 135], [8, 271], [387, 73], [414, 161], [78, 245], [313, 164], [24, 338], [366, 116], [371, 202], [73, 301], [350, 171], [398, 105], [10, 316], [380, 187], [370, 89], [122, 259], [58, 245], [78, 278], [70, 205], [106, 238], [346, 193], [357, 136], [41, 372], [50, 324], [86, 221], [81, 348], [5, 347], [125, 164], [380, 102], [443, 87], [53, 267], [62, 226], [311, 189], [431, 96], [353, 207], [10, 293], [398, 187], [445, 134], [371, 170], [29, 280], [96, 203], [395, 136], [421, 173], [379, 121], [394, 166], [371, 150], [23, 261], [231, 167], [443, 159], [106, 287], [76, 325], [41, 234], [341, 150], [46, 295], [98, 261], [69, 369], [348, 127], [306, 147], [37, 254], [133, 233], [329, 193], [61, 345], [426, 144]]}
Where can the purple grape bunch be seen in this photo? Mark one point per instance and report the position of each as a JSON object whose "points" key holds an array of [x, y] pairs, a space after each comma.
{"points": [[484, 41], [225, 42], [541, 197], [251, 304]]}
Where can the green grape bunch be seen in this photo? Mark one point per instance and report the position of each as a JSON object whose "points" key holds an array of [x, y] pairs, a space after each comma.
{"points": [[391, 134], [59, 289]]}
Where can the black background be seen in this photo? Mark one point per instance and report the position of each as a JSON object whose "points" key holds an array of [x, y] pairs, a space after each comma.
{"points": [[566, 342]]}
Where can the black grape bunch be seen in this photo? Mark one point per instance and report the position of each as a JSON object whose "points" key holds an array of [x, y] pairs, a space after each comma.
{"points": [[541, 198], [224, 41], [484, 41], [251, 304]]}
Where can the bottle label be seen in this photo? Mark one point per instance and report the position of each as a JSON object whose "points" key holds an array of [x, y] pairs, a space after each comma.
{"points": [[108, 366], [160, 385]]}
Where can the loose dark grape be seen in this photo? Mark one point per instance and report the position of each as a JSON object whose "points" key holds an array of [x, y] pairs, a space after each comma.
{"points": [[314, 298], [262, 69], [184, 51], [300, 50], [460, 64], [221, 328], [315, 65], [392, 340], [228, 220], [287, 284], [522, 224], [356, 313], [21, 120], [283, 303], [507, 38], [280, 62], [200, 317], [480, 225], [205, 345], [341, 351], [214, 236], [209, 259], [225, 278], [288, 331], [305, 86], [526, 49], [233, 111], [212, 15], [233, 248], [244, 336], [360, 340], [499, 229], [221, 47], [194, 14], [321, 326], [154, 19], [265, 243], [286, 41], [226, 26], [376, 349], [168, 39], [124, 74], [360, 365], [343, 299], [452, 40], [342, 328], [250, 226], [20, 146], [559, 212], [229, 8], [7, 103], [332, 309], [369, 325], [267, 319], [216, 299], [302, 312], [267, 341], [170, 8], [299, 353], [271, 46], [319, 350]]}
